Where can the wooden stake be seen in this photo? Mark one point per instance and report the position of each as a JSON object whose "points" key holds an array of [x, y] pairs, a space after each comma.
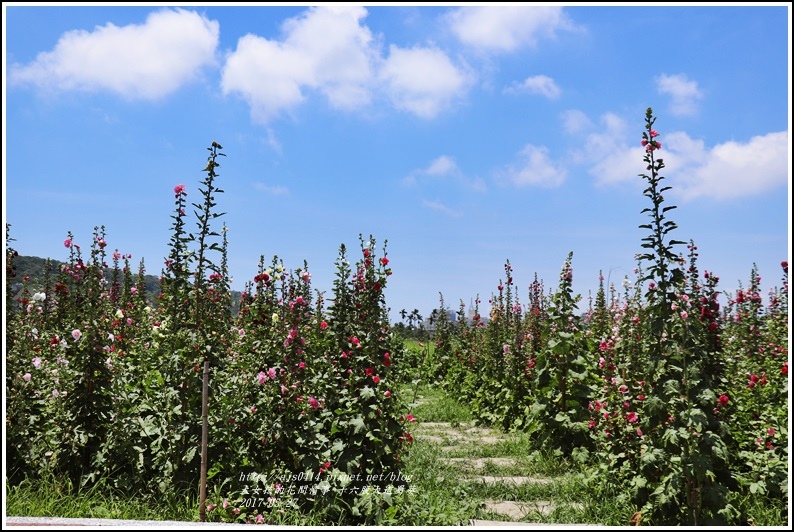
{"points": [[204, 431]]}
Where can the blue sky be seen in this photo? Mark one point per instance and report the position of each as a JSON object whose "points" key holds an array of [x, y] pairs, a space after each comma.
{"points": [[464, 135]]}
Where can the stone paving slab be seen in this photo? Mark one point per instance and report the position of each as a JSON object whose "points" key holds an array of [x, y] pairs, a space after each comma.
{"points": [[479, 463], [511, 524], [491, 479]]}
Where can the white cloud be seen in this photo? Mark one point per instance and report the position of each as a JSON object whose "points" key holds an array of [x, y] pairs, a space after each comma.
{"points": [[684, 93], [540, 84], [609, 153], [273, 190], [329, 50], [440, 207], [536, 169], [442, 167], [575, 121], [506, 28], [423, 81], [146, 61], [325, 48], [273, 141], [728, 170]]}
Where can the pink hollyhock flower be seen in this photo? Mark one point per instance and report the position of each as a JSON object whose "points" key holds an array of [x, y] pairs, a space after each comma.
{"points": [[770, 431], [632, 417], [37, 363], [67, 243], [684, 315], [314, 403], [26, 376], [253, 409], [272, 373], [410, 418], [259, 519], [323, 325], [262, 377], [179, 190], [654, 133], [387, 393], [211, 507], [225, 503], [76, 334]]}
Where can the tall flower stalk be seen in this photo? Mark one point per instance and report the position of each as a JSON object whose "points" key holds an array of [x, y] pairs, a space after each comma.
{"points": [[661, 274]]}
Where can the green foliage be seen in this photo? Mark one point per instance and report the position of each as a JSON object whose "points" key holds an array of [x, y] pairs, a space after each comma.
{"points": [[671, 404]]}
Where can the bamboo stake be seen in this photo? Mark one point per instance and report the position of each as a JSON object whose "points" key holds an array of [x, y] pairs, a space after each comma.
{"points": [[204, 431]]}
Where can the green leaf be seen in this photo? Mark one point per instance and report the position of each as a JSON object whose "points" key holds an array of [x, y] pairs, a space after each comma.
{"points": [[358, 424], [338, 446], [189, 454], [367, 392]]}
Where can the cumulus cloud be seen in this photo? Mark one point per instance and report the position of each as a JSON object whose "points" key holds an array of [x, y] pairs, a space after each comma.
{"points": [[506, 28], [728, 170], [324, 48], [535, 168], [328, 49], [146, 61], [423, 81], [684, 93], [442, 167], [609, 152], [540, 84]]}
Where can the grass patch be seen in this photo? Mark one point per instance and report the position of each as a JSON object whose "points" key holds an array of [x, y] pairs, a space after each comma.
{"points": [[51, 497], [432, 404], [446, 492]]}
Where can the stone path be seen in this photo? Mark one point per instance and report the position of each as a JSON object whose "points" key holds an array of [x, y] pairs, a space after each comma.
{"points": [[459, 438], [453, 440]]}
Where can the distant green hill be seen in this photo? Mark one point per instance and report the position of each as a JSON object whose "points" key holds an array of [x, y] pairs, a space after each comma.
{"points": [[35, 269]]}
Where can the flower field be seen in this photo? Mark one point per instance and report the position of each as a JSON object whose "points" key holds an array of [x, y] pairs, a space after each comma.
{"points": [[673, 403]]}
